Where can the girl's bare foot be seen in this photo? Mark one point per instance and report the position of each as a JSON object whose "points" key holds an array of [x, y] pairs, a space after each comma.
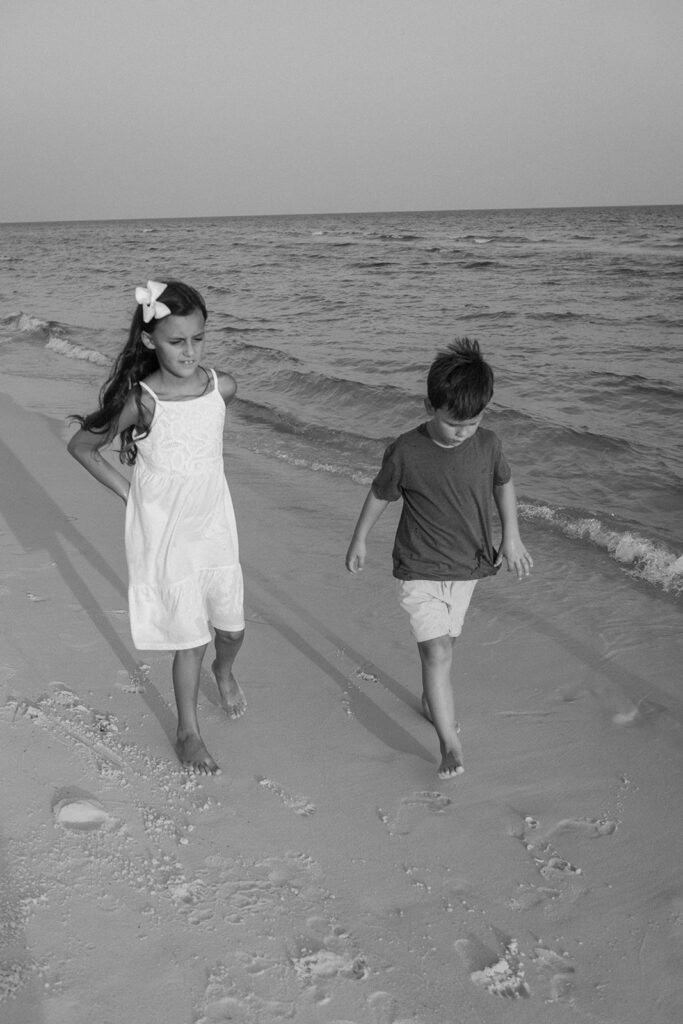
{"points": [[233, 701], [193, 755]]}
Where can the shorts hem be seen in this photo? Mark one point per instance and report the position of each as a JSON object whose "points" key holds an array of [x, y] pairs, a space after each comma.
{"points": [[230, 629], [436, 636]]}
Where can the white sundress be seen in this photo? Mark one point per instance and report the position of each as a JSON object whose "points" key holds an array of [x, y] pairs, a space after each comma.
{"points": [[184, 572]]}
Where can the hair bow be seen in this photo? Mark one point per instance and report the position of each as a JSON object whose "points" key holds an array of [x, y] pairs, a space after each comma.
{"points": [[148, 298]]}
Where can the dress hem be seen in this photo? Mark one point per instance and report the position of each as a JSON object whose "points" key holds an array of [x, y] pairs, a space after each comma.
{"points": [[185, 646]]}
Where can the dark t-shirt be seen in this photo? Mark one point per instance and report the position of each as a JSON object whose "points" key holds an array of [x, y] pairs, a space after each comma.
{"points": [[445, 529]]}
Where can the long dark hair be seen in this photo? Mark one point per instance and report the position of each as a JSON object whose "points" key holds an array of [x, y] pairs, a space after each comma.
{"points": [[135, 362]]}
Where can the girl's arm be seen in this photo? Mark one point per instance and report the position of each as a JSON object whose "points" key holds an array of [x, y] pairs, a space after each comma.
{"points": [[85, 446], [227, 386], [511, 549], [370, 513]]}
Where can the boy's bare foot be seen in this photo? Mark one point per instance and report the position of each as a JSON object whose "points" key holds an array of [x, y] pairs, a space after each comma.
{"points": [[450, 766], [193, 755], [233, 701], [451, 758]]}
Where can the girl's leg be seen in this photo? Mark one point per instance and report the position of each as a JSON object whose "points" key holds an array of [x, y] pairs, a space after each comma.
{"points": [[227, 645], [190, 746], [436, 657]]}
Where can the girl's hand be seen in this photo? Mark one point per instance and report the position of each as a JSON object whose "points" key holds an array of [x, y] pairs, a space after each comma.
{"points": [[516, 556]]}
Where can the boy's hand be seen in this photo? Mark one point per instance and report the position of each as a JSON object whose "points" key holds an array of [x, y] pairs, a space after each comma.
{"points": [[516, 556], [355, 556]]}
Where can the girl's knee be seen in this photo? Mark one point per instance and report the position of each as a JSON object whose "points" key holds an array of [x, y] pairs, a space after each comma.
{"points": [[191, 653]]}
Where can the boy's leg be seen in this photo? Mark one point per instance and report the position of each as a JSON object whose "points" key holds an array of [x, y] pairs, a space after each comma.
{"points": [[190, 746], [228, 644], [436, 657]]}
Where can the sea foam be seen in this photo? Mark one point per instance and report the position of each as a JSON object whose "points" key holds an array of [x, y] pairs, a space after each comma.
{"points": [[71, 351], [643, 558]]}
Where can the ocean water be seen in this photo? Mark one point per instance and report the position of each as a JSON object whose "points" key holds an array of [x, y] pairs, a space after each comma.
{"points": [[329, 323]]}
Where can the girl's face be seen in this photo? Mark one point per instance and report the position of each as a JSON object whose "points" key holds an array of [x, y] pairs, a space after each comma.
{"points": [[178, 342]]}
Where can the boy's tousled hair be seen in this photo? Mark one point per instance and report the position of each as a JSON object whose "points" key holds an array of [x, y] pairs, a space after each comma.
{"points": [[460, 380], [135, 362]]}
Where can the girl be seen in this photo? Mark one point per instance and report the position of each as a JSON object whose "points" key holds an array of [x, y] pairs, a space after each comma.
{"points": [[181, 539]]}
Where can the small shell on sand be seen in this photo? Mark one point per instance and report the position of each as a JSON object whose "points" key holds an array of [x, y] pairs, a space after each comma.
{"points": [[83, 813]]}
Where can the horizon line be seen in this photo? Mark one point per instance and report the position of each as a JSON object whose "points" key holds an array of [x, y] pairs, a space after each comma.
{"points": [[339, 213]]}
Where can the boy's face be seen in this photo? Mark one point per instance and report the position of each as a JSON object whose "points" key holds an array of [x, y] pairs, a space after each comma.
{"points": [[448, 431]]}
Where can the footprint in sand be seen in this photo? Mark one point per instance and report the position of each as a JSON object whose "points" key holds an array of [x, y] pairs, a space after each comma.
{"points": [[529, 896], [298, 804], [423, 801], [366, 673], [326, 951], [547, 859], [557, 972], [590, 827], [257, 964], [276, 885], [499, 973], [64, 697], [133, 682], [645, 712], [84, 813], [225, 999], [383, 1008]]}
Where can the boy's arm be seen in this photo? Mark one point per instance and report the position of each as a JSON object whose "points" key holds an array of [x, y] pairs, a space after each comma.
{"points": [[227, 386], [511, 548], [370, 513]]}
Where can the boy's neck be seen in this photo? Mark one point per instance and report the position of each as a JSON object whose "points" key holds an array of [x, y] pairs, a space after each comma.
{"points": [[430, 434]]}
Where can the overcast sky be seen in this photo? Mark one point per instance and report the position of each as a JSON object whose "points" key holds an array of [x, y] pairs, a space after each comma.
{"points": [[164, 108]]}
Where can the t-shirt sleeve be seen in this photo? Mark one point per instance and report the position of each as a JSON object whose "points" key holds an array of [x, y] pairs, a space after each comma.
{"points": [[387, 484], [501, 470]]}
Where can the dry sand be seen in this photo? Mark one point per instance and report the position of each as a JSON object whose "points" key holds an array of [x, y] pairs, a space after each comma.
{"points": [[327, 875]]}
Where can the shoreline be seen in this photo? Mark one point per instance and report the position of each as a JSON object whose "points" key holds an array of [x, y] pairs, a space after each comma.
{"points": [[327, 874]]}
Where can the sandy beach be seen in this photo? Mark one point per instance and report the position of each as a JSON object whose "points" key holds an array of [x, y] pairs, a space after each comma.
{"points": [[327, 875]]}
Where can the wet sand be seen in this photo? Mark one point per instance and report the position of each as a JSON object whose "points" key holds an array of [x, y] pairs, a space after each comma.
{"points": [[327, 874]]}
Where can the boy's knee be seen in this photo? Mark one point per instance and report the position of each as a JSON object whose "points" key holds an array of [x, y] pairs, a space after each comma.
{"points": [[229, 636], [436, 651]]}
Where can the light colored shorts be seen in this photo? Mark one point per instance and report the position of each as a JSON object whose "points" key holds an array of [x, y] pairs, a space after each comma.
{"points": [[436, 607]]}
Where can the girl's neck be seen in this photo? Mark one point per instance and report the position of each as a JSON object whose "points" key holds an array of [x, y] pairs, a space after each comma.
{"points": [[167, 386]]}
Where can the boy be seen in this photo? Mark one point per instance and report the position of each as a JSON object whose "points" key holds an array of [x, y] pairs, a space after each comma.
{"points": [[450, 474]]}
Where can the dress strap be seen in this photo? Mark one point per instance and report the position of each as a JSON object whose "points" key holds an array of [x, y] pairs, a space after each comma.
{"points": [[215, 379], [148, 389]]}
